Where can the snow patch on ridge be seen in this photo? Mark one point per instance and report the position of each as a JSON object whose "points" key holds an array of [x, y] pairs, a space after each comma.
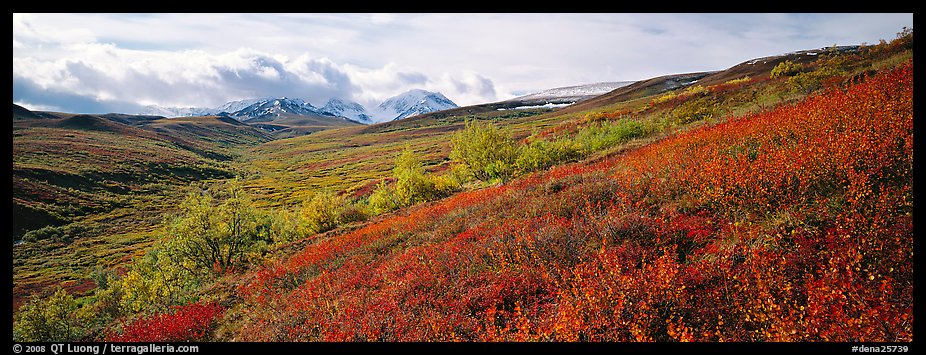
{"points": [[546, 105]]}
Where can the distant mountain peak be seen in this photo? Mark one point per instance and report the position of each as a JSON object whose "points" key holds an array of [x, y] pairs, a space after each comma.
{"points": [[276, 107], [411, 103], [347, 109]]}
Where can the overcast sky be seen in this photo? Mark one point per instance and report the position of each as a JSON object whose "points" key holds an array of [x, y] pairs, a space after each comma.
{"points": [[97, 63]]}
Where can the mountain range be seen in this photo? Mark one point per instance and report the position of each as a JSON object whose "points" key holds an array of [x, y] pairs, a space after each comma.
{"points": [[407, 104]]}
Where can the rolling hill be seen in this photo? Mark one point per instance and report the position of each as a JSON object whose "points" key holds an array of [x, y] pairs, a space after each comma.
{"points": [[98, 184], [65, 161]]}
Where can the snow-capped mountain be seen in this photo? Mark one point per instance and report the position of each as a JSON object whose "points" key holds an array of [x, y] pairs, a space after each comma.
{"points": [[276, 107], [228, 107], [346, 109], [235, 106], [155, 110], [411, 103], [572, 93]]}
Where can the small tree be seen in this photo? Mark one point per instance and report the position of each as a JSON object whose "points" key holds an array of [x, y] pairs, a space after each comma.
{"points": [[156, 280], [487, 151], [57, 318], [216, 237]]}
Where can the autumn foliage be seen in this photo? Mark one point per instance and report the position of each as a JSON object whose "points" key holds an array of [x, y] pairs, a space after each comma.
{"points": [[192, 322], [793, 224]]}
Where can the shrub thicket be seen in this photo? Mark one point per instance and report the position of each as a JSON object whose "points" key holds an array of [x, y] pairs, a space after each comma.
{"points": [[485, 150]]}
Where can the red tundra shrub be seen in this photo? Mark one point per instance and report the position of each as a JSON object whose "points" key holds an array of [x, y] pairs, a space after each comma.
{"points": [[192, 322]]}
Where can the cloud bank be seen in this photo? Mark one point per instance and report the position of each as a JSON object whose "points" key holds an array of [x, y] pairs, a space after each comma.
{"points": [[97, 77]]}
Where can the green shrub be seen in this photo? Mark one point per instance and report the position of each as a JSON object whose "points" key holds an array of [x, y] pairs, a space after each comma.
{"points": [[62, 234], [383, 199], [695, 110], [810, 81], [695, 90], [664, 97], [412, 185], [785, 68], [284, 226], [541, 154], [322, 212], [738, 81], [485, 150], [157, 280], [600, 136], [452, 181], [107, 299], [830, 64], [447, 184], [352, 213]]}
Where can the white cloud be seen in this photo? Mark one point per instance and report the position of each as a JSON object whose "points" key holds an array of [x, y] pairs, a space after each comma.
{"points": [[29, 29], [37, 107], [381, 19], [467, 88], [189, 78]]}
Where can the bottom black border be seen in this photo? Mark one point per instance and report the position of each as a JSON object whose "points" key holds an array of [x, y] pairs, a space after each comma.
{"points": [[470, 348]]}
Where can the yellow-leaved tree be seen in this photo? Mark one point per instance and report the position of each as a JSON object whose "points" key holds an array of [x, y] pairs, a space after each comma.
{"points": [[216, 237], [56, 318]]}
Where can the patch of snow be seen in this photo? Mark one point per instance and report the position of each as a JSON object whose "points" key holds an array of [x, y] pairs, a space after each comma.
{"points": [[155, 110], [547, 105], [578, 91]]}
